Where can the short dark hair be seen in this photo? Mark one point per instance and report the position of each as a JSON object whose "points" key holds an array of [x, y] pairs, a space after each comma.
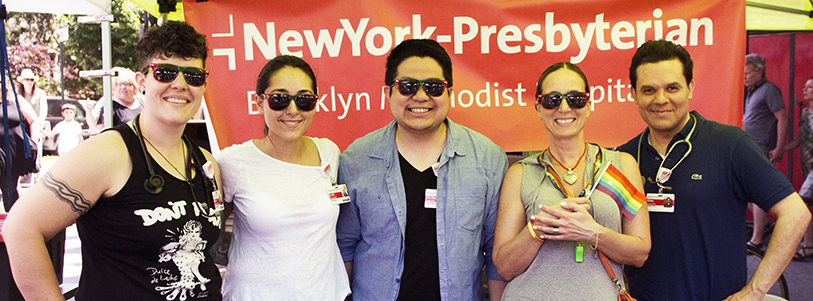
{"points": [[657, 51], [557, 66], [172, 39], [418, 48], [274, 65]]}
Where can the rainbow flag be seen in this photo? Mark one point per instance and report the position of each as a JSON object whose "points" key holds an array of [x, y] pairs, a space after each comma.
{"points": [[616, 185]]}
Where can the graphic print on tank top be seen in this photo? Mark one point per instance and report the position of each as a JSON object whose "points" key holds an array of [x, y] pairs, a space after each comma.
{"points": [[187, 254]]}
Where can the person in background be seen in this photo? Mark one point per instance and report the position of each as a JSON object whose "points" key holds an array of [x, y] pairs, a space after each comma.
{"points": [[710, 172], [284, 241], [423, 191], [18, 122], [69, 130], [127, 100], [34, 95], [37, 99], [550, 194], [805, 140], [766, 121], [145, 199]]}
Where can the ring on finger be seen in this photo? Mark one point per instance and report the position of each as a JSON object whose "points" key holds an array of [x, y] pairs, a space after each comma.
{"points": [[556, 230]]}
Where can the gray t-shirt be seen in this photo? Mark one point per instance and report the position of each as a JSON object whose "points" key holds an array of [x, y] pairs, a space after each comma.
{"points": [[758, 116]]}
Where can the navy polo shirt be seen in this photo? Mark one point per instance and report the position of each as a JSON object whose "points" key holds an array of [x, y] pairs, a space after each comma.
{"points": [[698, 252]]}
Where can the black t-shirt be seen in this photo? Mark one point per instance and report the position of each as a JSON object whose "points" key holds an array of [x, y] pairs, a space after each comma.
{"points": [[421, 280]]}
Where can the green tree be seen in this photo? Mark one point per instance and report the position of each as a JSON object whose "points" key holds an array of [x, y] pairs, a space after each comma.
{"points": [[33, 43], [83, 51]]}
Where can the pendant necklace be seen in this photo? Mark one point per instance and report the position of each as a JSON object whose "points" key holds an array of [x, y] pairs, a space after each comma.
{"points": [[570, 176], [185, 175]]}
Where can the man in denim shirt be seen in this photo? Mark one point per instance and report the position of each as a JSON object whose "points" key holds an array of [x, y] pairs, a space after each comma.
{"points": [[424, 192]]}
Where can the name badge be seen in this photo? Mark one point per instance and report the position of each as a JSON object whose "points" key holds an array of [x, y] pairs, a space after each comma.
{"points": [[218, 200], [430, 199], [326, 172], [209, 170], [338, 194], [664, 174], [660, 202], [435, 168]]}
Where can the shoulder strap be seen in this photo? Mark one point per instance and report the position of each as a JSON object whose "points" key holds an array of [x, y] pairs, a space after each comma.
{"points": [[622, 293], [200, 159]]}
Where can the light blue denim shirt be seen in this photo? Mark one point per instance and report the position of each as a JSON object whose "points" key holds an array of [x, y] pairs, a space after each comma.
{"points": [[371, 227]]}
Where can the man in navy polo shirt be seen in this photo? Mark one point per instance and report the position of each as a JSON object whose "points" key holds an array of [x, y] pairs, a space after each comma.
{"points": [[709, 172]]}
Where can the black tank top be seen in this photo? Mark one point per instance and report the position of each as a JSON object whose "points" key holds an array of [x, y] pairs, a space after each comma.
{"points": [[142, 246]]}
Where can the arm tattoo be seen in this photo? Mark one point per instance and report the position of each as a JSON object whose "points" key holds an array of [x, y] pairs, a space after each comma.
{"points": [[65, 193]]}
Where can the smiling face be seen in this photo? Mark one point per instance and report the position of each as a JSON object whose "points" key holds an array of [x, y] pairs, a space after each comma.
{"points": [[290, 123], [564, 121], [174, 102], [662, 96], [418, 113]]}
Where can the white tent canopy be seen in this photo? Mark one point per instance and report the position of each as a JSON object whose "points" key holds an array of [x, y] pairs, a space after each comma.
{"points": [[77, 7], [69, 7]]}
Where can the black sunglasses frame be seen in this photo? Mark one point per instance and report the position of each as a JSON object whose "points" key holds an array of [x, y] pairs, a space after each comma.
{"points": [[190, 74], [575, 100], [409, 86], [279, 101]]}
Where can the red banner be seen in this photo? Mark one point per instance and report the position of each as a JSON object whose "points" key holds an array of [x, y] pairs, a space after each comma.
{"points": [[498, 48]]}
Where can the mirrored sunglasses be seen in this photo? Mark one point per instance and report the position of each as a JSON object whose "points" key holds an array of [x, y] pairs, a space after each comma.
{"points": [[166, 73], [575, 100], [433, 87], [279, 102]]}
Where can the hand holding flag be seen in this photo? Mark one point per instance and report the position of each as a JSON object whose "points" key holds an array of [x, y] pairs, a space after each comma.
{"points": [[613, 182]]}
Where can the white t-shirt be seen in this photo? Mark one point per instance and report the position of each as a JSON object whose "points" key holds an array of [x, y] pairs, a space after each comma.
{"points": [[70, 134], [284, 244]]}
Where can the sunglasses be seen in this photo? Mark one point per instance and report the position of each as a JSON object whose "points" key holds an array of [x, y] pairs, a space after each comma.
{"points": [[433, 87], [575, 100], [279, 102], [166, 73]]}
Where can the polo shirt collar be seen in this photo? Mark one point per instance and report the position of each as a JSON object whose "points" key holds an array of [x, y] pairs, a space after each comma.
{"points": [[698, 119]]}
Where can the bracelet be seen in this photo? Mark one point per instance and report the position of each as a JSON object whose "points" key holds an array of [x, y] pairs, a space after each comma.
{"points": [[596, 247], [533, 233]]}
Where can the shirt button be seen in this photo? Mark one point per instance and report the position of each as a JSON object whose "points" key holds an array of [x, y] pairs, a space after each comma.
{"points": [[397, 280]]}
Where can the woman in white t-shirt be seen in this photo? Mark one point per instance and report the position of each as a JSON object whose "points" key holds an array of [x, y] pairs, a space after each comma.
{"points": [[284, 242]]}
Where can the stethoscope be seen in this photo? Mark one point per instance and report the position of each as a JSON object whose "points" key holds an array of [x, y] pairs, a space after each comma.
{"points": [[658, 180], [155, 183]]}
